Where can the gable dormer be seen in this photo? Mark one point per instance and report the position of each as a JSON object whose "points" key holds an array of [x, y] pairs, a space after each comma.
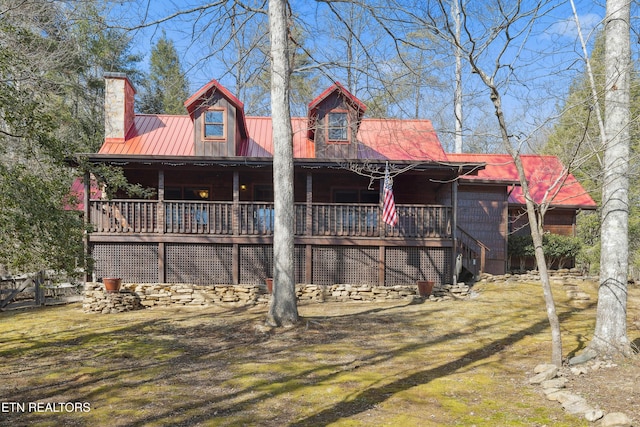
{"points": [[218, 121], [334, 118]]}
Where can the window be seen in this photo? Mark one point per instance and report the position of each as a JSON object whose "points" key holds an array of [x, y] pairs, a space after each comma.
{"points": [[263, 193], [186, 193], [214, 124], [338, 128], [355, 196]]}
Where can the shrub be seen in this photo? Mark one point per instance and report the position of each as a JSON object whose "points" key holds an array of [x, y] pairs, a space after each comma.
{"points": [[558, 249]]}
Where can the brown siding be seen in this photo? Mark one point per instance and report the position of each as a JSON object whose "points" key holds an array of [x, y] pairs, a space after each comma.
{"points": [[325, 150], [556, 221], [482, 212], [223, 148]]}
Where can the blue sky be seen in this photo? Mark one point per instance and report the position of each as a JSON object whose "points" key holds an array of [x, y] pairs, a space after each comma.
{"points": [[551, 56]]}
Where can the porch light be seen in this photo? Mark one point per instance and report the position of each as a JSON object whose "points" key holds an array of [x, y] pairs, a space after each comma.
{"points": [[243, 187], [204, 193]]}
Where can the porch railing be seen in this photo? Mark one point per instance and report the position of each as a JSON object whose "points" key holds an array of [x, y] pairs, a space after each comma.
{"points": [[473, 252], [254, 218]]}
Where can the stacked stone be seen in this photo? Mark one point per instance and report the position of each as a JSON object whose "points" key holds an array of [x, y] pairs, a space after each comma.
{"points": [[310, 293], [165, 294], [563, 274], [449, 292], [571, 281], [347, 292], [97, 300]]}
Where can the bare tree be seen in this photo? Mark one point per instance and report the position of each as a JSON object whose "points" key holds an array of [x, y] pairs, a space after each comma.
{"points": [[457, 102], [512, 24], [283, 310], [610, 335]]}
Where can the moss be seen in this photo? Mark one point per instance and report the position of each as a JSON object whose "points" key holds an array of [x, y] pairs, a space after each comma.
{"points": [[447, 363]]}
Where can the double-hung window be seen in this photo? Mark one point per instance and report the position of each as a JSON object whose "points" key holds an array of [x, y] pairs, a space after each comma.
{"points": [[214, 124], [338, 128]]}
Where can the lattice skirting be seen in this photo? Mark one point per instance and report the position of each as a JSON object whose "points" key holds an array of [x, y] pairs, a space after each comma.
{"points": [[133, 262], [406, 265], [199, 264], [209, 264]]}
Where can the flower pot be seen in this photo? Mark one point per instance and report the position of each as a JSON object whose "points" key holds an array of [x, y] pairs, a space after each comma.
{"points": [[269, 283], [425, 287], [111, 284]]}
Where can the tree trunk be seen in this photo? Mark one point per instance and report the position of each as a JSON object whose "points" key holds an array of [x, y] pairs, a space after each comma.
{"points": [[458, 92], [535, 224], [283, 309], [610, 335]]}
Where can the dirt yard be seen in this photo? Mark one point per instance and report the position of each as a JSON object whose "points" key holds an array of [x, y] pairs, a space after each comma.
{"points": [[462, 362]]}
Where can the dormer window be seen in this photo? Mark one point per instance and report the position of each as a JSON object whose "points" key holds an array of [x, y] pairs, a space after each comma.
{"points": [[338, 128], [215, 124]]}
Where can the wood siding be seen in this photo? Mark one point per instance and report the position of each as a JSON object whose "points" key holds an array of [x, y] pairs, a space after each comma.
{"points": [[482, 213], [216, 148], [556, 221], [331, 150]]}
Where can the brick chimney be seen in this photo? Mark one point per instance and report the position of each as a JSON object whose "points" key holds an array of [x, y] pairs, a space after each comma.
{"points": [[118, 106]]}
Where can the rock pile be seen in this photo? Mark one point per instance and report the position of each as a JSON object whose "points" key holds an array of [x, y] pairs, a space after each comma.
{"points": [[97, 300], [571, 281], [563, 275], [447, 292], [553, 383]]}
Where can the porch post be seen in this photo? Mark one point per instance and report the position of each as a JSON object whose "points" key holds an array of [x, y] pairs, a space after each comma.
{"points": [[454, 228], [87, 220], [161, 210], [381, 265], [308, 255], [162, 278], [236, 204], [235, 229], [309, 218]]}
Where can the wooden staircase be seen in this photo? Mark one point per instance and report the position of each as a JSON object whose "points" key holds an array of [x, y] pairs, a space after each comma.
{"points": [[472, 255]]}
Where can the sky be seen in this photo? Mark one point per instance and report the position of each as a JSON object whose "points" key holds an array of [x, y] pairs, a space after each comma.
{"points": [[533, 92], [558, 26]]}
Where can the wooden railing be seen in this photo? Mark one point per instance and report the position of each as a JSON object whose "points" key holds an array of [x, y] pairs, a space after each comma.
{"points": [[253, 218], [473, 251], [344, 220], [124, 216]]}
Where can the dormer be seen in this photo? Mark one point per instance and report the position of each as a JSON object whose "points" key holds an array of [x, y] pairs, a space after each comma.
{"points": [[334, 118], [218, 121]]}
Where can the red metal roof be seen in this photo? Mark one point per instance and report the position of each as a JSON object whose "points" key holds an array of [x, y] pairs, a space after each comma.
{"points": [[544, 174], [381, 139], [155, 134], [337, 87]]}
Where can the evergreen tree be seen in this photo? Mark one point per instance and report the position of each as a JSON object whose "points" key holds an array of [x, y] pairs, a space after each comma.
{"points": [[576, 139], [52, 56], [166, 88]]}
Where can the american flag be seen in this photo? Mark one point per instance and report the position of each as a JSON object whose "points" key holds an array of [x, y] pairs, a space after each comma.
{"points": [[389, 214]]}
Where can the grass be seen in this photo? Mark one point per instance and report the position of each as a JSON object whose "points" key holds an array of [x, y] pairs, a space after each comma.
{"points": [[351, 364]]}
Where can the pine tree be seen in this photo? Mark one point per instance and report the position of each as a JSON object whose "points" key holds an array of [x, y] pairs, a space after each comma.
{"points": [[166, 88]]}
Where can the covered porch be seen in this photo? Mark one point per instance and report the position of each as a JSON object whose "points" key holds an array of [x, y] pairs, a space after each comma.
{"points": [[203, 212]]}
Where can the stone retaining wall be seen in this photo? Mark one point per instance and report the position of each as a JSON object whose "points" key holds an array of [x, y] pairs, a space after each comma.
{"points": [[134, 296]]}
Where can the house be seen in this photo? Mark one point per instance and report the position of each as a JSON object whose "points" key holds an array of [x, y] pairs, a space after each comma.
{"points": [[211, 219]]}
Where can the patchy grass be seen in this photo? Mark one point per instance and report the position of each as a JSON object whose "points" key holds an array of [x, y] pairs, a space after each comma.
{"points": [[350, 364]]}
